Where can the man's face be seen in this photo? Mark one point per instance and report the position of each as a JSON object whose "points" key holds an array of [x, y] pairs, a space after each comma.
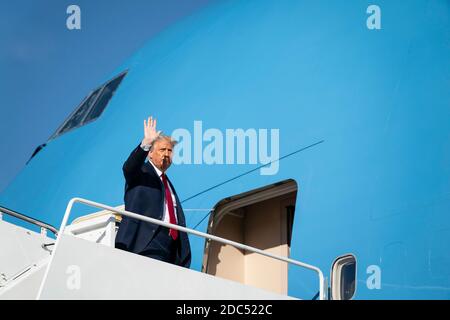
{"points": [[161, 154]]}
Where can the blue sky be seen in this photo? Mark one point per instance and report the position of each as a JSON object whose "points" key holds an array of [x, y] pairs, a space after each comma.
{"points": [[46, 69]]}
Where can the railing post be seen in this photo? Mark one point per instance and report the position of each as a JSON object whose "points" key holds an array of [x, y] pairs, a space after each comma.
{"points": [[325, 289]]}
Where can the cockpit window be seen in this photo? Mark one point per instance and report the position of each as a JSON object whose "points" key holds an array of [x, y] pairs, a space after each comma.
{"points": [[91, 107]]}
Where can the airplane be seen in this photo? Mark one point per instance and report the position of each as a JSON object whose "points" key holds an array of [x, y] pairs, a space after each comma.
{"points": [[314, 131]]}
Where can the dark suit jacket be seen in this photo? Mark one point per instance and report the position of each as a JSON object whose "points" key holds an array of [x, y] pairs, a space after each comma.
{"points": [[144, 194]]}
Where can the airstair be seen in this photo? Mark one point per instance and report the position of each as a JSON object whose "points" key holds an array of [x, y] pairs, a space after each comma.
{"points": [[82, 263]]}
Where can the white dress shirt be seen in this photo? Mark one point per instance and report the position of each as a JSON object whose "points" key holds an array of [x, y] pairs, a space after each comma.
{"points": [[166, 217]]}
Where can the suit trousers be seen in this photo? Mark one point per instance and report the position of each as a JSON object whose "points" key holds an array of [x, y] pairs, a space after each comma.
{"points": [[162, 247]]}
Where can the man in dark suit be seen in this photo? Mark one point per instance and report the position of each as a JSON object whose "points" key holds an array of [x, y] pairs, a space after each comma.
{"points": [[149, 192]]}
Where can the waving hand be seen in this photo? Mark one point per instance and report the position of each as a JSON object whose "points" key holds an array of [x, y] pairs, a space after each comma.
{"points": [[150, 133]]}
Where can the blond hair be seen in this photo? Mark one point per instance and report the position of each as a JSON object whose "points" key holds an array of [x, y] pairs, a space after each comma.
{"points": [[161, 137]]}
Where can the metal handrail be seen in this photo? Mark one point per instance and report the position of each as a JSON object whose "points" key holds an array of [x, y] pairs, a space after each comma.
{"points": [[36, 222], [184, 229]]}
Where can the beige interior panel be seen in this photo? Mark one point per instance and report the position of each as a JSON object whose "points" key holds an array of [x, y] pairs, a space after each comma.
{"points": [[263, 230], [227, 261]]}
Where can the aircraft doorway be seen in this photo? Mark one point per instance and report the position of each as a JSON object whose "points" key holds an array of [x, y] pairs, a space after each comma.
{"points": [[260, 218]]}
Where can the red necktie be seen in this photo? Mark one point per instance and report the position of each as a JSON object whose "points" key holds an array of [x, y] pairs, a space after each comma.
{"points": [[172, 232]]}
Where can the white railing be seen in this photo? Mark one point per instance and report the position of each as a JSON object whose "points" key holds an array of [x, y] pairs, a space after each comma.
{"points": [[44, 226], [322, 292]]}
